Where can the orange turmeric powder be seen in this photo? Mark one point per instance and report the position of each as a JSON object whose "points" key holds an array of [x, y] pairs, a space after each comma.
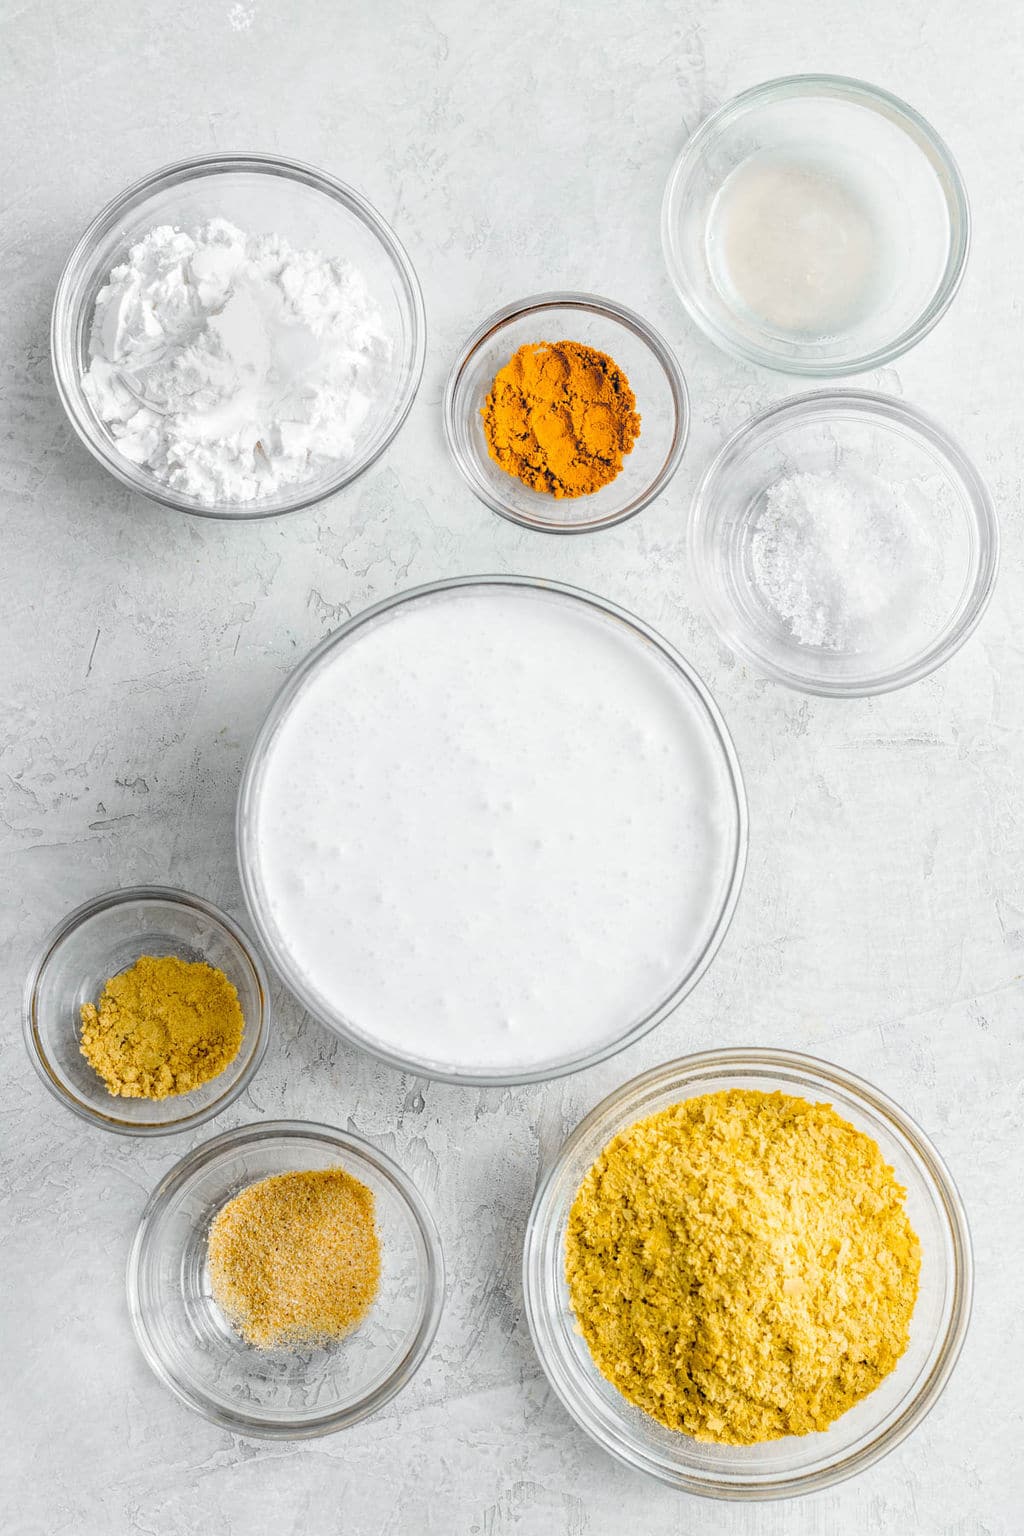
{"points": [[560, 416]]}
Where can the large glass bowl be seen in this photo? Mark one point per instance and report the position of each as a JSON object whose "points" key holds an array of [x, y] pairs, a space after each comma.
{"points": [[901, 183], [280, 1394], [859, 436], [797, 1464], [262, 194], [724, 874], [104, 937], [654, 377]]}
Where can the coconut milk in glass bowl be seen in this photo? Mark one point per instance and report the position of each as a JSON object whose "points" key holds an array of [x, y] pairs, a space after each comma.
{"points": [[492, 830]]}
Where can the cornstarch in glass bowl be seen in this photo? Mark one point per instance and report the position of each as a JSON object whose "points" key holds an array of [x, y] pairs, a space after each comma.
{"points": [[231, 365]]}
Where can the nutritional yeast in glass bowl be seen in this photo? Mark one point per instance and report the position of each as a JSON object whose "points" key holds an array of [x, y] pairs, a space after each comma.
{"points": [[795, 1464], [816, 225]]}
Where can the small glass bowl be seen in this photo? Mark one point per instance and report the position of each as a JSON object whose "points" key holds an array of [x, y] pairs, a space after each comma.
{"points": [[797, 1464], [280, 1394], [894, 188], [654, 377], [262, 194], [863, 434], [99, 940]]}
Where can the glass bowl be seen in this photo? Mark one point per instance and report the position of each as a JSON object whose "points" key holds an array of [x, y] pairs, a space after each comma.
{"points": [[99, 940], [262, 194], [280, 1394], [856, 434], [797, 1464], [654, 376], [848, 176], [717, 769]]}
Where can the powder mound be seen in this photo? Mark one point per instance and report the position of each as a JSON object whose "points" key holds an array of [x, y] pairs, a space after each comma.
{"points": [[560, 417], [232, 365], [295, 1258], [163, 1027], [742, 1267]]}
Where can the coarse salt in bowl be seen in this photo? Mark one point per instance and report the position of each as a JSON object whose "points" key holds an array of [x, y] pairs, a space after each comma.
{"points": [[261, 195], [797, 1463], [844, 544]]}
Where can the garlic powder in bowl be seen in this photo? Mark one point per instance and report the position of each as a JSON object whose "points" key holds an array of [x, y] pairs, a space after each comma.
{"points": [[235, 1243]]}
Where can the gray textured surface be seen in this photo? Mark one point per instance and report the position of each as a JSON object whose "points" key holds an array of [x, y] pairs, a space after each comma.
{"points": [[882, 923]]}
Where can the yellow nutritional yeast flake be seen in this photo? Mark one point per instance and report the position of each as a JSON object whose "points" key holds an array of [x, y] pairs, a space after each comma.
{"points": [[163, 1027], [296, 1258], [742, 1267]]}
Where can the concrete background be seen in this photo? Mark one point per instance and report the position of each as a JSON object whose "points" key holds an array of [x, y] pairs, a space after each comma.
{"points": [[882, 922]]}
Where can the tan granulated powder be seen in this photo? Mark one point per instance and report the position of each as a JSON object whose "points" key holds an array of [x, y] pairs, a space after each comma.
{"points": [[296, 1258], [163, 1027], [742, 1267]]}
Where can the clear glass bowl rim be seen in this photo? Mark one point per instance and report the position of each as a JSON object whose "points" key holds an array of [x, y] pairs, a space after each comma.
{"points": [[65, 363], [864, 94], [920, 424], [610, 310], [357, 1148], [686, 1073], [278, 708], [103, 903]]}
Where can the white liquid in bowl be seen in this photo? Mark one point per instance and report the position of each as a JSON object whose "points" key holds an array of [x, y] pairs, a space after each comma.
{"points": [[494, 830]]}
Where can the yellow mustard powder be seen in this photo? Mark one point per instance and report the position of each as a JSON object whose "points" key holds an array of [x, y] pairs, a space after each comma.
{"points": [[742, 1267], [295, 1258], [162, 1027]]}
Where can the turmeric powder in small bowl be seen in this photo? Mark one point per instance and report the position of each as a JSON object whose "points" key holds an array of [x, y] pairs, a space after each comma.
{"points": [[561, 417], [566, 436]]}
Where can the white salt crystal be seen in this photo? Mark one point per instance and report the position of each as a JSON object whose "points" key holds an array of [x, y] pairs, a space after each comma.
{"points": [[841, 558]]}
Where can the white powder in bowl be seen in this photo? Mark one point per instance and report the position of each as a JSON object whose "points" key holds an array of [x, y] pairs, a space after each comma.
{"points": [[843, 558], [231, 365]]}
